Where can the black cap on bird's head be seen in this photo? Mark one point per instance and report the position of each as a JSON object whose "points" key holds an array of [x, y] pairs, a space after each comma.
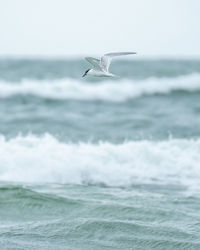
{"points": [[85, 73]]}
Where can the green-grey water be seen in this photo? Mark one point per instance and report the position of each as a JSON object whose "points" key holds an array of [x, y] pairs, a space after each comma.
{"points": [[90, 163]]}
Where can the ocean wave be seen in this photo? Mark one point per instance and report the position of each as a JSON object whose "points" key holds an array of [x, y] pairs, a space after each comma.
{"points": [[106, 91], [44, 159]]}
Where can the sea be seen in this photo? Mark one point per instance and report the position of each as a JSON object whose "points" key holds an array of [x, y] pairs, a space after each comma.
{"points": [[99, 163]]}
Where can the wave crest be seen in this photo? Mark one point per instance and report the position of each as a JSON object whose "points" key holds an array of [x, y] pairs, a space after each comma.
{"points": [[105, 91], [45, 159]]}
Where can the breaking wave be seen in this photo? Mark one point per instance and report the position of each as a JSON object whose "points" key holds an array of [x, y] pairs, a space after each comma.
{"points": [[106, 91], [33, 159]]}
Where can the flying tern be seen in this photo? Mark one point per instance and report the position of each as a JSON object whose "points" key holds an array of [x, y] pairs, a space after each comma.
{"points": [[101, 66]]}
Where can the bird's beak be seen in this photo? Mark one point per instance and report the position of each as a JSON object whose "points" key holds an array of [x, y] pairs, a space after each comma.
{"points": [[84, 75]]}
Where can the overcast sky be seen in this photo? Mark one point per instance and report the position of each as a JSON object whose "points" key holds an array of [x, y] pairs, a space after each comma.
{"points": [[81, 27]]}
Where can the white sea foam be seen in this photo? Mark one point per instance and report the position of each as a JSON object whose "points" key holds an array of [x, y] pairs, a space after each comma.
{"points": [[45, 159], [107, 90]]}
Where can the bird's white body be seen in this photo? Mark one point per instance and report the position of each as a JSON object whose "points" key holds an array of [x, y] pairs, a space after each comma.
{"points": [[101, 66], [99, 73]]}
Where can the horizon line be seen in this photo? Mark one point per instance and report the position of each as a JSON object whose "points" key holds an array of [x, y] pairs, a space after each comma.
{"points": [[76, 57]]}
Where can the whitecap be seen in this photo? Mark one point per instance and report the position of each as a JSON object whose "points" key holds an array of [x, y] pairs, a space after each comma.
{"points": [[114, 91], [44, 159]]}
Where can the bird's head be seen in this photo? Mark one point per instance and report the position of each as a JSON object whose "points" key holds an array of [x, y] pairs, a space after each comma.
{"points": [[86, 72]]}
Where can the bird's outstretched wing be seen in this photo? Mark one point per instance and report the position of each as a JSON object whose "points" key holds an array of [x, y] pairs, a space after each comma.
{"points": [[106, 59], [95, 62]]}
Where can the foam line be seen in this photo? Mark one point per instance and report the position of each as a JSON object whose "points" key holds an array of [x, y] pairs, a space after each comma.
{"points": [[114, 91]]}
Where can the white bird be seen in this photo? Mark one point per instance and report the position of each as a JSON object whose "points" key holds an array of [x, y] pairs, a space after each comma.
{"points": [[101, 67]]}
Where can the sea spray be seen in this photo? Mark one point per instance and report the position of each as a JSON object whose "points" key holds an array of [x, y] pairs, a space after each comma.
{"points": [[45, 159]]}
